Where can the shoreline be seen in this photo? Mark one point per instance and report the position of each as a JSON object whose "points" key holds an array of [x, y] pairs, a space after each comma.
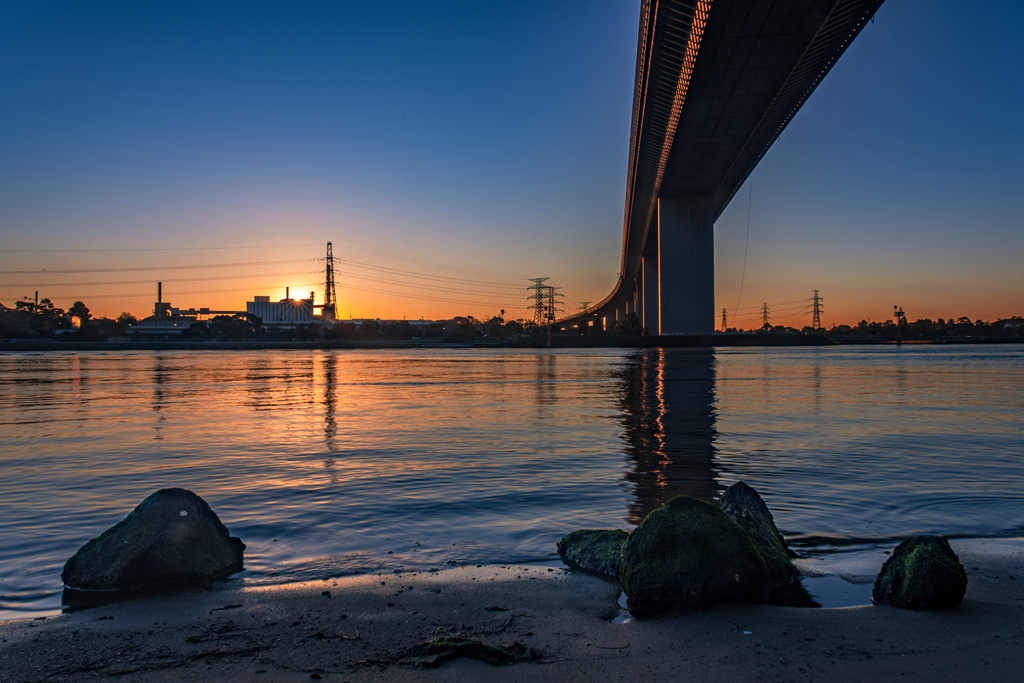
{"points": [[563, 622], [695, 341]]}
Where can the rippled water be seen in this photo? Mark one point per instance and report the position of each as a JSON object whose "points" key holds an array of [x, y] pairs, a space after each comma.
{"points": [[332, 462]]}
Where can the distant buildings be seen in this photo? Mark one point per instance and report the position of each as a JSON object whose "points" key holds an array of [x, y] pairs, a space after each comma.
{"points": [[283, 314]]}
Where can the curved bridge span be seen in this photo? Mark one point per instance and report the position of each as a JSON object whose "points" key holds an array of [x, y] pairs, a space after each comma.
{"points": [[717, 81]]}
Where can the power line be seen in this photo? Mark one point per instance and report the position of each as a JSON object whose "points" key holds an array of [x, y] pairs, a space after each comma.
{"points": [[151, 280], [494, 291], [429, 276], [517, 276], [75, 250], [149, 295], [78, 271], [746, 243], [428, 298], [417, 285]]}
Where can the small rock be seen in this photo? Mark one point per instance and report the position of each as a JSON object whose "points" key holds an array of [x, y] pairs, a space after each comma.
{"points": [[597, 551], [922, 573], [689, 554], [745, 506], [171, 537]]}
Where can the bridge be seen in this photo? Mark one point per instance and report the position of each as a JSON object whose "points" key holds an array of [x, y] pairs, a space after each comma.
{"points": [[717, 81]]}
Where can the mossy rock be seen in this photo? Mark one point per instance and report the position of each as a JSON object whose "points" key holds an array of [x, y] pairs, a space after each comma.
{"points": [[922, 573], [597, 551], [686, 555], [171, 537], [743, 504]]}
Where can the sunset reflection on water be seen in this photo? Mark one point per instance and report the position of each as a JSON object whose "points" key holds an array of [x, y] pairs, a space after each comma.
{"points": [[334, 461]]}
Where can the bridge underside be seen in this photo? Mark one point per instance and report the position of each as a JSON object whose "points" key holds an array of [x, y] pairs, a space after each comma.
{"points": [[717, 81]]}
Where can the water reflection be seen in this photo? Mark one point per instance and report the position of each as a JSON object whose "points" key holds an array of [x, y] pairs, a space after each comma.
{"points": [[330, 384], [161, 375], [546, 379], [667, 400]]}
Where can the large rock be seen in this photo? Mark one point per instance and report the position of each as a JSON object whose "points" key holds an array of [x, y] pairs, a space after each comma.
{"points": [[922, 573], [747, 509], [172, 536], [597, 551], [689, 554]]}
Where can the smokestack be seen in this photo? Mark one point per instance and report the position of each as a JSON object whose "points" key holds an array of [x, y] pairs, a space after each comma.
{"points": [[286, 293], [159, 301]]}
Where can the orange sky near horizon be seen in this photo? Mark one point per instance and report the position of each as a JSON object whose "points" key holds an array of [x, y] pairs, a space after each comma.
{"points": [[419, 285], [129, 161]]}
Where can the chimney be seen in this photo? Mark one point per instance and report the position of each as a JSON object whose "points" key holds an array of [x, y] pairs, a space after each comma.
{"points": [[286, 293]]}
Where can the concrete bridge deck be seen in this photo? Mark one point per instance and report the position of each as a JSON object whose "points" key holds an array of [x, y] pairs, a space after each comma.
{"points": [[717, 81]]}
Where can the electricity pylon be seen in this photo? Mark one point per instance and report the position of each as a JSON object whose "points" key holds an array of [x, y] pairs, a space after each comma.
{"points": [[539, 298], [330, 298], [818, 309]]}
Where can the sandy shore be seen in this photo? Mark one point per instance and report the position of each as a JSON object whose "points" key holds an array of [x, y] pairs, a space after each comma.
{"points": [[561, 625]]}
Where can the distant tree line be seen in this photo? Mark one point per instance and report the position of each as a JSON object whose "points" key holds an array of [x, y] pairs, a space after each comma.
{"points": [[927, 329], [924, 329], [460, 329], [28, 319], [31, 320]]}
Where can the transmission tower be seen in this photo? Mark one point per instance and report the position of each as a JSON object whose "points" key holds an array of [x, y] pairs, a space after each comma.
{"points": [[724, 325], [584, 305], [539, 298], [553, 304], [764, 316], [330, 298], [901, 320], [818, 309]]}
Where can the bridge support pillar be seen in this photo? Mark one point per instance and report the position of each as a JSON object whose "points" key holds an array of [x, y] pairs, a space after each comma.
{"points": [[686, 266], [649, 294]]}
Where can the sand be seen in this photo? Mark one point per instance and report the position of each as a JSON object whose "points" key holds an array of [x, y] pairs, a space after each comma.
{"points": [[564, 626]]}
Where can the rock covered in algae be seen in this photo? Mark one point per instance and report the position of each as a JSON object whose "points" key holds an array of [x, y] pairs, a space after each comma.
{"points": [[743, 504], [172, 536], [922, 573], [689, 554], [597, 551]]}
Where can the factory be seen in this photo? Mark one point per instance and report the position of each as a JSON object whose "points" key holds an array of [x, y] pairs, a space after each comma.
{"points": [[285, 314], [275, 316]]}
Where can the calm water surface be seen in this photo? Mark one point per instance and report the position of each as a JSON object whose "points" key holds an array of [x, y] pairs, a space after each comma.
{"points": [[336, 462]]}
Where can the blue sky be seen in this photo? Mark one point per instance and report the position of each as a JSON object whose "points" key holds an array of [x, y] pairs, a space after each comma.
{"points": [[450, 150]]}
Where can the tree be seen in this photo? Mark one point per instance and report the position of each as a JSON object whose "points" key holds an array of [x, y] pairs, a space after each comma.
{"points": [[123, 322], [81, 311], [233, 327]]}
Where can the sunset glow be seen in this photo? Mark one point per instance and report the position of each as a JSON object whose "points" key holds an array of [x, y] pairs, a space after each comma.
{"points": [[223, 180]]}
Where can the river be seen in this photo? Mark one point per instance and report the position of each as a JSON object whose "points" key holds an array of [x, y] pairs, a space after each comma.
{"points": [[333, 462]]}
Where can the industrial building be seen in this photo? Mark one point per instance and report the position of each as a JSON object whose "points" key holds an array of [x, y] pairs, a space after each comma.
{"points": [[281, 315]]}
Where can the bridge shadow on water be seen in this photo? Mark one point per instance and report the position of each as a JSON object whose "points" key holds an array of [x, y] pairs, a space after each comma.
{"points": [[668, 405]]}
